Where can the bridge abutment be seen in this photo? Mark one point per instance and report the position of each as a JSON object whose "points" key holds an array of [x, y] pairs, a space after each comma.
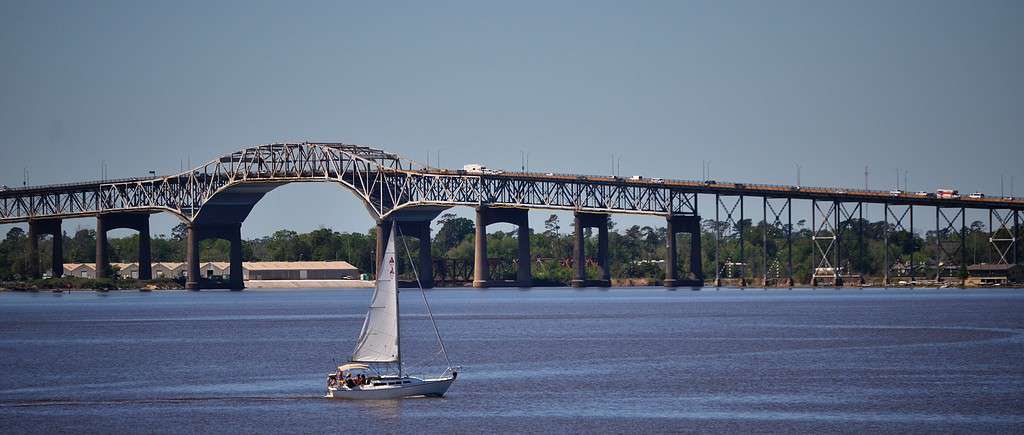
{"points": [[683, 224], [583, 221], [520, 217]]}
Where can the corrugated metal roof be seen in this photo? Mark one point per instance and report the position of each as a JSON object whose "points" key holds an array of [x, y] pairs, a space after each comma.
{"points": [[297, 265], [990, 267]]}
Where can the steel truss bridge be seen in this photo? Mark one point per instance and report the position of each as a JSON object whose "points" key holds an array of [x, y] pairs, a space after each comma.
{"points": [[215, 198]]}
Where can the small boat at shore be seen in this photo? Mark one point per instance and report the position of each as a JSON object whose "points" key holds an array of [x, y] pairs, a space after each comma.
{"points": [[375, 371]]}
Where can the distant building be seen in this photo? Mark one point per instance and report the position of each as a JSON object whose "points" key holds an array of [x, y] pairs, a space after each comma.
{"points": [[217, 270], [299, 270], [80, 270], [169, 270], [988, 274]]}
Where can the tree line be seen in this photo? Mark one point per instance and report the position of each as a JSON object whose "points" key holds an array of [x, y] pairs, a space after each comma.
{"points": [[635, 252]]}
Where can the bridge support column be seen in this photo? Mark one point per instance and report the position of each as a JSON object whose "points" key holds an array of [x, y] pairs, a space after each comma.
{"points": [[134, 221], [192, 258], [102, 261], [683, 224], [481, 266], [590, 220], [232, 232], [426, 261], [32, 262], [420, 229], [145, 254], [38, 228], [235, 237], [524, 276]]}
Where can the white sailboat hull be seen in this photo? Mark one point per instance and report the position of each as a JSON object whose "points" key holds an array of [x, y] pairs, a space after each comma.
{"points": [[411, 387]]}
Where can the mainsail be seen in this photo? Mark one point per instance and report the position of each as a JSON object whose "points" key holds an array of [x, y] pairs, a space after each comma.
{"points": [[378, 340]]}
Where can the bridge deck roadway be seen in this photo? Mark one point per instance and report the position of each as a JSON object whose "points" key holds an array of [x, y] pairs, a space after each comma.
{"points": [[764, 190]]}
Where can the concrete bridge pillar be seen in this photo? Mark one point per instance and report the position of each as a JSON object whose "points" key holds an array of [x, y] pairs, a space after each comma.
{"points": [[192, 258], [683, 224], [38, 228], [590, 220], [41, 227], [133, 221], [32, 262], [102, 261], [232, 232], [420, 229], [145, 254], [480, 264], [524, 274], [520, 217]]}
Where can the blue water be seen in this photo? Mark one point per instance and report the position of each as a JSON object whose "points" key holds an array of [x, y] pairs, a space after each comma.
{"points": [[552, 360]]}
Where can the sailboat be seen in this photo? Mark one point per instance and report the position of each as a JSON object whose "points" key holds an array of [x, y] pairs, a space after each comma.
{"points": [[375, 370]]}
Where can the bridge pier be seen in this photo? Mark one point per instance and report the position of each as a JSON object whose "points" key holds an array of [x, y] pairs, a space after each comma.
{"points": [[37, 228], [683, 224], [230, 232], [133, 221], [515, 216], [590, 220], [420, 229]]}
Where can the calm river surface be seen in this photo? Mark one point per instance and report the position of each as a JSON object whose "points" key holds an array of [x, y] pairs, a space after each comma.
{"points": [[620, 360]]}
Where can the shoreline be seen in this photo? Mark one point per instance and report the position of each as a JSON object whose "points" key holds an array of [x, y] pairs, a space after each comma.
{"points": [[366, 284]]}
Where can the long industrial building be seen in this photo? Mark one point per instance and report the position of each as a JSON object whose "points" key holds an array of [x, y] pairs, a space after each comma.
{"points": [[258, 270]]}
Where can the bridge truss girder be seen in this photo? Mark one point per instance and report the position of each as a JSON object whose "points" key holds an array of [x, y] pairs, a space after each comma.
{"points": [[384, 182]]}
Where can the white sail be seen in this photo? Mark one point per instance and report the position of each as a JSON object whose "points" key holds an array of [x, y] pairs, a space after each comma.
{"points": [[378, 340]]}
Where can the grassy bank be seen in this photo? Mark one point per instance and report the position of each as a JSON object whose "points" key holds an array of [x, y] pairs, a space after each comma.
{"points": [[105, 284]]}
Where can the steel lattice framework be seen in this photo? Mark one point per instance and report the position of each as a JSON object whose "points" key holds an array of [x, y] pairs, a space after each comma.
{"points": [[385, 182]]}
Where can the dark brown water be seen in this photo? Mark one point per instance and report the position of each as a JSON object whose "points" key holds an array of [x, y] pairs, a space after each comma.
{"points": [[623, 360]]}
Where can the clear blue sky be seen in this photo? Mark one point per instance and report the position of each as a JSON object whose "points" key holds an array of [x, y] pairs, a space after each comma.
{"points": [[755, 88]]}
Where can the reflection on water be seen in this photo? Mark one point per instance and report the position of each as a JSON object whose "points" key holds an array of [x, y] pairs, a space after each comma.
{"points": [[637, 360]]}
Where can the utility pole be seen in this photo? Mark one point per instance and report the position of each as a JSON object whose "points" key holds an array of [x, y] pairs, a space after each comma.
{"points": [[865, 178]]}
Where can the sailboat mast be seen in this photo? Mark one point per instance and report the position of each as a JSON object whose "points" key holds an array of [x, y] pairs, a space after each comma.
{"points": [[398, 310]]}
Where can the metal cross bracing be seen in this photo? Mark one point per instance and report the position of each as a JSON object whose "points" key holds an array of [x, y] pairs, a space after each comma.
{"points": [[1004, 237], [846, 215], [825, 239], [902, 222], [385, 182], [777, 210], [950, 250], [735, 226]]}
